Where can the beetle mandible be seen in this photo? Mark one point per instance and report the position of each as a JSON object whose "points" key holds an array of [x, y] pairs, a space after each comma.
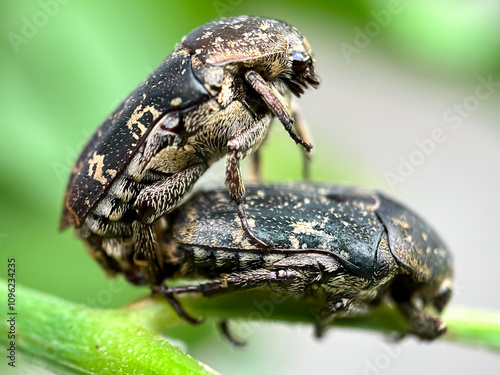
{"points": [[213, 96], [348, 249]]}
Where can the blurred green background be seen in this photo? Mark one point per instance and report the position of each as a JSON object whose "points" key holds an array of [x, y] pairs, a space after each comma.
{"points": [[66, 64]]}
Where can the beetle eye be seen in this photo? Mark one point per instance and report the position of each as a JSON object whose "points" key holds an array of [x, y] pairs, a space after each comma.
{"points": [[299, 62]]}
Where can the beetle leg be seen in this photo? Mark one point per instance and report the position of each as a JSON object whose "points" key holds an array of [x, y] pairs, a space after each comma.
{"points": [[325, 316], [235, 183], [161, 197], [276, 104], [288, 278], [255, 167], [255, 172], [161, 289], [246, 227], [421, 324], [239, 281], [226, 332], [174, 302], [302, 129], [163, 135], [146, 252]]}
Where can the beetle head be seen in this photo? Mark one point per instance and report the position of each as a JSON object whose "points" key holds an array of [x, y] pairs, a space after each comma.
{"points": [[272, 48], [443, 295], [300, 70], [437, 292]]}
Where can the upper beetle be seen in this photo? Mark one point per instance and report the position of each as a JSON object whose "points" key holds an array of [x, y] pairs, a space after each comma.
{"points": [[214, 95], [347, 249]]}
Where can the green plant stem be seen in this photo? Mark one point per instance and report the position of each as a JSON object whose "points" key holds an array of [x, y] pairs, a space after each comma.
{"points": [[76, 339], [474, 327], [70, 338]]}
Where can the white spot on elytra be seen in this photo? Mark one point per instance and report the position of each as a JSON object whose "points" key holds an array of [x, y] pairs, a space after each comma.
{"points": [[175, 101]]}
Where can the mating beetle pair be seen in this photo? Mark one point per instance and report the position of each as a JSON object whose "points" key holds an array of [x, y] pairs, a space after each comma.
{"points": [[215, 95]]}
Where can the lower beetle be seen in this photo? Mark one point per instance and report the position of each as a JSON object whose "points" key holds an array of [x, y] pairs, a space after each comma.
{"points": [[349, 248]]}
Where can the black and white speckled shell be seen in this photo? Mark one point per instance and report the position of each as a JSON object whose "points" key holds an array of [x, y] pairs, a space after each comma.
{"points": [[240, 39], [349, 223], [413, 242], [172, 86]]}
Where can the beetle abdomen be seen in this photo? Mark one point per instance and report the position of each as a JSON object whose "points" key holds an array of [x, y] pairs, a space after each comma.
{"points": [[192, 261]]}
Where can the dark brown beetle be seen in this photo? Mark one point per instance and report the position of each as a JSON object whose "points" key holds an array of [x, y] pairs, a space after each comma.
{"points": [[214, 95], [344, 249]]}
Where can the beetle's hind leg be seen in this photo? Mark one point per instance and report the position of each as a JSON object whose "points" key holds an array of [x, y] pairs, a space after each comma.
{"points": [[163, 196], [176, 305], [146, 257], [146, 252]]}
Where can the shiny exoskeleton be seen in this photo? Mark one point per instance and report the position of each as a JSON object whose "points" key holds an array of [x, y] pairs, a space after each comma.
{"points": [[214, 95], [349, 249]]}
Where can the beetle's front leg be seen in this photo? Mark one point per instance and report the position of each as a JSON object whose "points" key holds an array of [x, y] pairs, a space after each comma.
{"points": [[325, 316], [163, 196], [423, 325], [235, 183], [302, 130], [276, 104]]}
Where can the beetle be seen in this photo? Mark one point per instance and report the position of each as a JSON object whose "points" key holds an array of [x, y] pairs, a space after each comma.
{"points": [[213, 96], [347, 248]]}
